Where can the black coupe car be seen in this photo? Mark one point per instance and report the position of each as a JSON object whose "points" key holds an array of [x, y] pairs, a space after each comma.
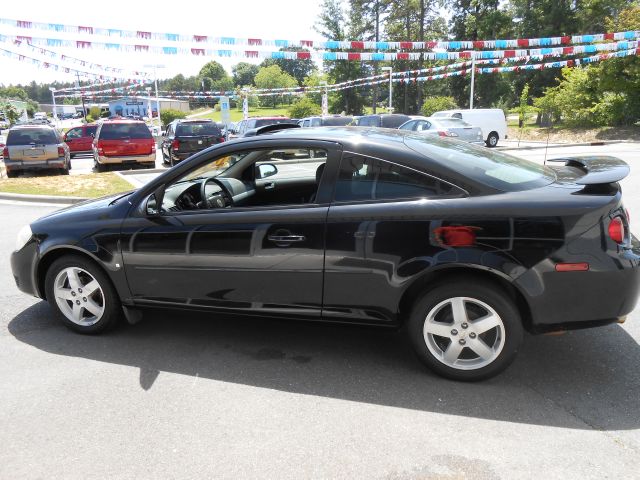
{"points": [[464, 246]]}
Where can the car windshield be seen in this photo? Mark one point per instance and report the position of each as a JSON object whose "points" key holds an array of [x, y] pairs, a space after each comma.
{"points": [[197, 129], [118, 131], [494, 169], [39, 136]]}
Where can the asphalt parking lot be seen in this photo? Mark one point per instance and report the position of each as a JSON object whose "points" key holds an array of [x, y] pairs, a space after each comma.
{"points": [[178, 397]]}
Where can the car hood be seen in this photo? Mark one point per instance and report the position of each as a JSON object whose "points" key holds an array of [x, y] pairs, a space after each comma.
{"points": [[99, 208]]}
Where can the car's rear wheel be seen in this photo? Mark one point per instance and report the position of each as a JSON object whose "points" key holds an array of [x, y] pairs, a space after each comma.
{"points": [[465, 331], [82, 295], [97, 166], [492, 140], [165, 160], [11, 174]]}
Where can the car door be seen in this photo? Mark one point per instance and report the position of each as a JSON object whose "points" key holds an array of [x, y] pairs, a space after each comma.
{"points": [[73, 138], [262, 259], [379, 234]]}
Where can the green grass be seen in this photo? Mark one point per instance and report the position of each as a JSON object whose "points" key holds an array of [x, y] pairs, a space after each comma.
{"points": [[90, 186], [236, 115]]}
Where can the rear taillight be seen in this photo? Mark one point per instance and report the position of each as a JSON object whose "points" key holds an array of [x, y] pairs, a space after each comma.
{"points": [[175, 144], [5, 152], [153, 147], [61, 151], [616, 230], [445, 133]]}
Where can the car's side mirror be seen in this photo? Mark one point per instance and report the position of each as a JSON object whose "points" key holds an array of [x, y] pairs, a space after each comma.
{"points": [[92, 135], [265, 170], [153, 204]]}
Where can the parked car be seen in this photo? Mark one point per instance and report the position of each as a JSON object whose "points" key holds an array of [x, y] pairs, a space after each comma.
{"points": [[385, 120], [491, 120], [257, 122], [80, 139], [183, 138], [465, 246], [34, 147], [326, 121], [123, 142], [445, 127]]}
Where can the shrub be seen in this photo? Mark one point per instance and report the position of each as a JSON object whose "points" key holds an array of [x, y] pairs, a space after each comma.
{"points": [[304, 107], [435, 104], [169, 115]]}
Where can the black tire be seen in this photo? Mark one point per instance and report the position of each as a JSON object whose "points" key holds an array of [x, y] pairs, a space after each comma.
{"points": [[112, 309], [11, 174], [425, 344], [98, 167], [492, 140], [64, 171], [165, 160], [72, 155]]}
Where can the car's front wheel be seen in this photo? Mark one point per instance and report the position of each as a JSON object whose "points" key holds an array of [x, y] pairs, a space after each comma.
{"points": [[82, 295], [492, 140], [466, 331]]}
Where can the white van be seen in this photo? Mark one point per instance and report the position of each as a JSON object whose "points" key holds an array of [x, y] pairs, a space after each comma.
{"points": [[490, 120]]}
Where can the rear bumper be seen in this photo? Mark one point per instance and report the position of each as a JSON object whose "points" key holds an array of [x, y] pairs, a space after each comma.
{"points": [[605, 293], [20, 165], [151, 158]]}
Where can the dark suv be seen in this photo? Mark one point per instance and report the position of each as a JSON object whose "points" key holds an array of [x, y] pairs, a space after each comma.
{"points": [[386, 120], [186, 137], [35, 147]]}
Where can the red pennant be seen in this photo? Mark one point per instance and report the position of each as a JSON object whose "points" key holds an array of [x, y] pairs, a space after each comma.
{"points": [[255, 41], [303, 55], [565, 40], [478, 44], [85, 30], [141, 48], [145, 35], [509, 53], [197, 51], [523, 42], [567, 50], [406, 45], [403, 56], [353, 56]]}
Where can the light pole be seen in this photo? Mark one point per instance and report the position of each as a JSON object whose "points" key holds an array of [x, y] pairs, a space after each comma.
{"points": [[473, 78], [390, 70], [149, 112], [155, 81], [325, 98], [55, 114]]}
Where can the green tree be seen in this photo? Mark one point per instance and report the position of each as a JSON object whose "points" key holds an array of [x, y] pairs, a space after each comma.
{"points": [[215, 78], [333, 23], [244, 73], [168, 115], [298, 69], [436, 104], [10, 113], [273, 77], [304, 107]]}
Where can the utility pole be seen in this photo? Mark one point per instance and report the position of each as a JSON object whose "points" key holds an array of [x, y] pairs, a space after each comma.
{"points": [[375, 64], [55, 114], [84, 110], [473, 78], [390, 70]]}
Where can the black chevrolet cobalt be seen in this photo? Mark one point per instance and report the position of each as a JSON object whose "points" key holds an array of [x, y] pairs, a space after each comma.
{"points": [[464, 247]]}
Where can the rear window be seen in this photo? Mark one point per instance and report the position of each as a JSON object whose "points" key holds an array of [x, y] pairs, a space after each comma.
{"points": [[197, 129], [119, 131], [39, 136], [263, 122], [452, 122], [336, 121], [489, 167]]}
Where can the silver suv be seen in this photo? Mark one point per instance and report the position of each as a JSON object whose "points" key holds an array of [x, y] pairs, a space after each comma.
{"points": [[35, 147]]}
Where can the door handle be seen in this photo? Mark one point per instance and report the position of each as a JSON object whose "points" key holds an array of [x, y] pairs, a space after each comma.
{"points": [[269, 186], [285, 240]]}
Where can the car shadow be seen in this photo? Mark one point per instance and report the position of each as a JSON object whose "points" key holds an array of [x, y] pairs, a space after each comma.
{"points": [[585, 379]]}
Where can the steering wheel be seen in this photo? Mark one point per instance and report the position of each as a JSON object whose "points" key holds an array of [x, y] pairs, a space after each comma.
{"points": [[215, 201]]}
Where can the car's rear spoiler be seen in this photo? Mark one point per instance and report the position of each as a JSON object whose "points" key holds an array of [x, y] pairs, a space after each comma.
{"points": [[599, 169]]}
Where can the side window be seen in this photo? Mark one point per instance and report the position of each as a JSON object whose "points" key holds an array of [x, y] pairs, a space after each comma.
{"points": [[306, 123], [90, 130], [75, 133], [316, 122], [363, 178], [423, 125], [409, 126], [457, 115]]}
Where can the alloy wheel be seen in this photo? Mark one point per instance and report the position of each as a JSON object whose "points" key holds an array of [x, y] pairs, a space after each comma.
{"points": [[464, 333], [79, 296]]}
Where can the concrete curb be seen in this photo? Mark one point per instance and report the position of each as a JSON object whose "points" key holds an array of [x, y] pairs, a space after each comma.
{"points": [[543, 144], [59, 200], [124, 173]]}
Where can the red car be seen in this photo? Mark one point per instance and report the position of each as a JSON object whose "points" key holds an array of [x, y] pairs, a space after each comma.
{"points": [[123, 142], [80, 139]]}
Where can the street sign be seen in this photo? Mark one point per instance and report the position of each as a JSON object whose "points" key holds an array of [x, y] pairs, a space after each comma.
{"points": [[224, 110]]}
